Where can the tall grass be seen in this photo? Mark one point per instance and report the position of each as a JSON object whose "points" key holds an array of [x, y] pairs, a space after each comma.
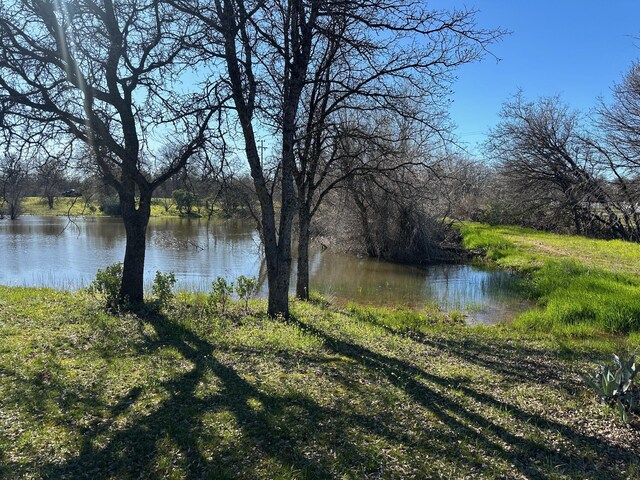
{"points": [[582, 286]]}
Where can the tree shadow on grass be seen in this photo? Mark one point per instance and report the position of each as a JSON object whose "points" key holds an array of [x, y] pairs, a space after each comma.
{"points": [[295, 436], [133, 452], [494, 439], [517, 362]]}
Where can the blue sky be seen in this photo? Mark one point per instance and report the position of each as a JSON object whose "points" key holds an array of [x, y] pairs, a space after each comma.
{"points": [[574, 49]]}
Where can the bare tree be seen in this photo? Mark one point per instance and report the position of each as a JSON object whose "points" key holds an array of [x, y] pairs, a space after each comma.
{"points": [[361, 143], [461, 185], [50, 177], [619, 147], [542, 148], [264, 47], [294, 66], [391, 203], [620, 122], [14, 176], [104, 73]]}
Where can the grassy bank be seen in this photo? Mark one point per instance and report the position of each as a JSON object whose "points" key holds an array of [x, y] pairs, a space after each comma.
{"points": [[343, 394], [583, 286], [63, 206]]}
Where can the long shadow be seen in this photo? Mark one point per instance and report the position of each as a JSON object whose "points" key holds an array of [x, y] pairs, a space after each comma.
{"points": [[508, 360], [521, 451], [175, 416], [132, 451], [516, 363], [277, 433]]}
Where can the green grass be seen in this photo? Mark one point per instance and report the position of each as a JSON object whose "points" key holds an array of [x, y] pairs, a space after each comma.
{"points": [[62, 206], [583, 286], [403, 320], [331, 393], [79, 207]]}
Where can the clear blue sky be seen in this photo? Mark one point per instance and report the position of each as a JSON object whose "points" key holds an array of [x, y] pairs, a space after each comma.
{"points": [[576, 49]]}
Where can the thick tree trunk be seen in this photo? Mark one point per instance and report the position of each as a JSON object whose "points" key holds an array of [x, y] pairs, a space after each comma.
{"points": [[135, 224], [302, 280], [278, 271], [50, 199], [14, 210], [278, 252]]}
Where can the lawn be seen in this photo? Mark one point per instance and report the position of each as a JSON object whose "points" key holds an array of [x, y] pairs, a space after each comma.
{"points": [[583, 286], [331, 393]]}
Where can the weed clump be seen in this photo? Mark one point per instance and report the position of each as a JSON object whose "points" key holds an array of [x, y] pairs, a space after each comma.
{"points": [[107, 286], [220, 294], [162, 288]]}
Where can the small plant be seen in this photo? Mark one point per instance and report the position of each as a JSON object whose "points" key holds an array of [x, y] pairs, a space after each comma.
{"points": [[320, 299], [107, 285], [246, 287], [220, 293], [615, 386], [162, 288]]}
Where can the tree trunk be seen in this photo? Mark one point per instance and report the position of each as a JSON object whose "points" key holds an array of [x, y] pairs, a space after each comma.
{"points": [[14, 210], [50, 199], [278, 271], [302, 280], [135, 224], [576, 220]]}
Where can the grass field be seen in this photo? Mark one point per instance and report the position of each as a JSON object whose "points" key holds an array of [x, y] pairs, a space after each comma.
{"points": [[331, 393], [80, 207], [583, 286]]}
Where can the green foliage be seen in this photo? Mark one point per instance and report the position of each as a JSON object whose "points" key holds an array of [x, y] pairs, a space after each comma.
{"points": [[185, 200], [484, 238], [110, 205], [615, 385], [583, 286], [86, 207], [220, 293], [406, 319], [162, 288], [107, 286], [246, 287], [320, 299]]}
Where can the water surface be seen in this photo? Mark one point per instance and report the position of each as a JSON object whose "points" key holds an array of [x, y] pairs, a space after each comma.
{"points": [[54, 252]]}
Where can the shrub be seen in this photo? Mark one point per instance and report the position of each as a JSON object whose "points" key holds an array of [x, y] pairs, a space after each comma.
{"points": [[246, 288], [162, 288], [185, 200], [220, 293], [107, 285], [615, 386], [110, 206]]}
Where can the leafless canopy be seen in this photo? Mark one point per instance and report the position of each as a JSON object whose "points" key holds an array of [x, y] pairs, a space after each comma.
{"points": [[296, 68], [106, 73], [543, 150]]}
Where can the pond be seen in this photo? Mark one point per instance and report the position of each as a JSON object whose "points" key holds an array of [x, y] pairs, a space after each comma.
{"points": [[58, 253]]}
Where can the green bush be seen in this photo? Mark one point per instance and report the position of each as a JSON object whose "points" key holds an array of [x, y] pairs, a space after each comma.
{"points": [[246, 287], [185, 200], [220, 294], [107, 285], [162, 288], [110, 206]]}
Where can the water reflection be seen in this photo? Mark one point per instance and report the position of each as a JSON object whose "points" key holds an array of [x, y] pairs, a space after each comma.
{"points": [[51, 251]]}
